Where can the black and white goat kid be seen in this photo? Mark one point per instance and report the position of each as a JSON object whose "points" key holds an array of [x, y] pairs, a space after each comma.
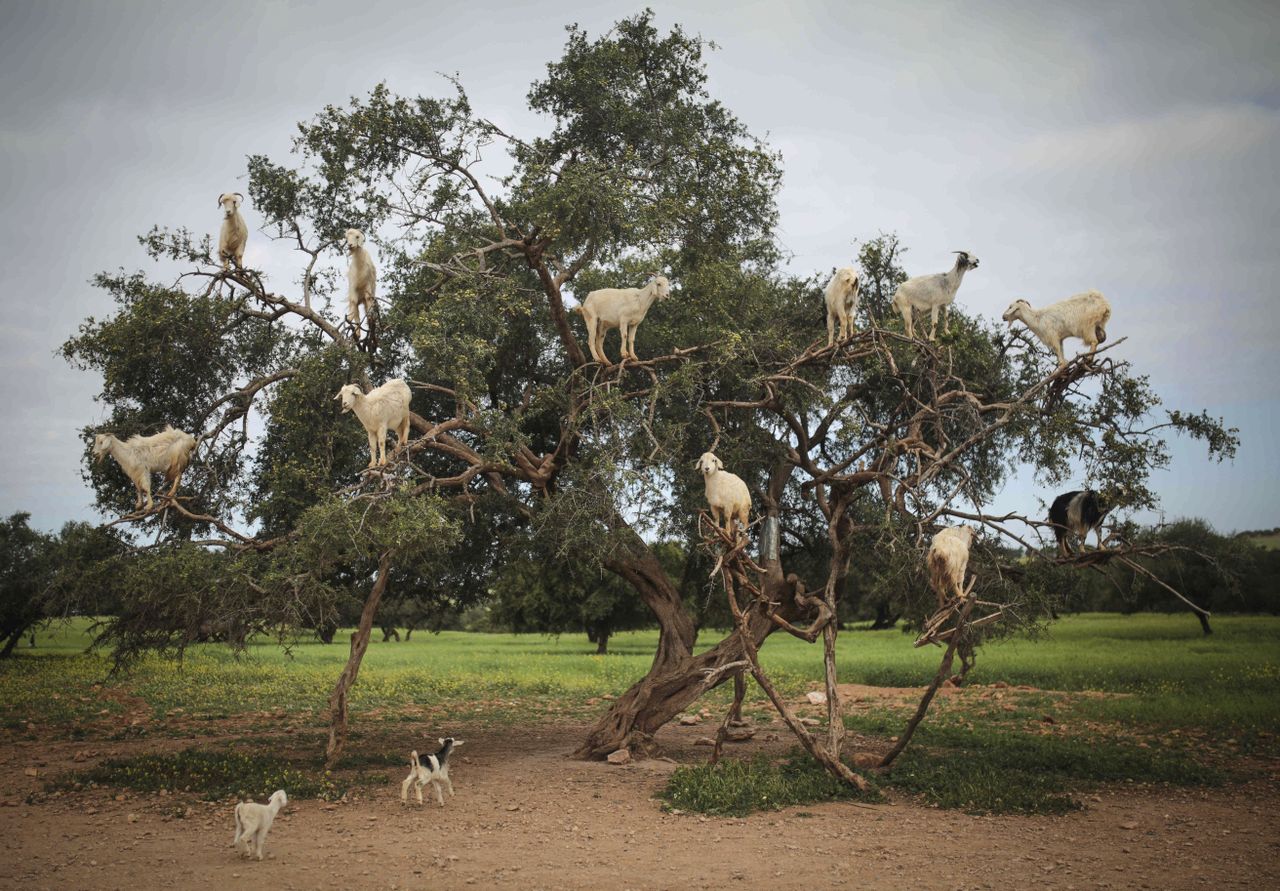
{"points": [[1078, 513], [433, 769]]}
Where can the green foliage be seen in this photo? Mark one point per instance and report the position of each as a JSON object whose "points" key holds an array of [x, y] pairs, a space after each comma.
{"points": [[25, 570], [736, 787]]}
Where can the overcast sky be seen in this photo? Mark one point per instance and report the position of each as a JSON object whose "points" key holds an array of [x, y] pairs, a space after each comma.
{"points": [[1128, 147]]}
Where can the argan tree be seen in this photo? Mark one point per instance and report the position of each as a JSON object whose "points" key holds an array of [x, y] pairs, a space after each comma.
{"points": [[484, 237]]}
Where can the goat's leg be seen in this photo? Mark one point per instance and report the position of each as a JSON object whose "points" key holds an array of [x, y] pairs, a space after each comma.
{"points": [[382, 444], [907, 320], [373, 449], [946, 318], [933, 323], [404, 788], [260, 841], [448, 782], [435, 784], [831, 329], [623, 342]]}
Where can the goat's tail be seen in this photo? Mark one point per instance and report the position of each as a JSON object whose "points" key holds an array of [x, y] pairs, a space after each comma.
{"points": [[1100, 333], [413, 759], [235, 840]]}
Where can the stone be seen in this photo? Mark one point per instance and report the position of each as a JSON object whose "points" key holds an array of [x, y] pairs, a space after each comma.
{"points": [[690, 720], [621, 756], [816, 697]]}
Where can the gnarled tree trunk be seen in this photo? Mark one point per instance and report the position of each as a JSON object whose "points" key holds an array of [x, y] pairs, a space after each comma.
{"points": [[359, 643], [677, 677]]}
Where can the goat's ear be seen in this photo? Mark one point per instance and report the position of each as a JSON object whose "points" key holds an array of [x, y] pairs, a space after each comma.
{"points": [[441, 738]]}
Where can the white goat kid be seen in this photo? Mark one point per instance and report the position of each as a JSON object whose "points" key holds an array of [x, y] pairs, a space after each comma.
{"points": [[931, 292], [167, 452], [727, 494], [234, 234], [948, 560], [434, 770], [381, 409], [362, 280], [621, 308], [1084, 316], [253, 822], [842, 303]]}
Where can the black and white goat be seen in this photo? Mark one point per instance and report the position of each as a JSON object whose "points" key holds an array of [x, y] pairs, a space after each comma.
{"points": [[1078, 513], [433, 769]]}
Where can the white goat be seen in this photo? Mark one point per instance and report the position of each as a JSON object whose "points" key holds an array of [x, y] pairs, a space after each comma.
{"points": [[234, 234], [932, 292], [727, 494], [381, 409], [433, 769], [362, 280], [947, 561], [253, 822], [621, 308], [167, 452], [842, 303], [1084, 316]]}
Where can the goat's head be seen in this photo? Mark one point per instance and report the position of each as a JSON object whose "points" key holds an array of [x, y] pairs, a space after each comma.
{"points": [[848, 277], [355, 239], [347, 396], [966, 260], [279, 798], [1015, 310], [661, 287], [708, 464], [230, 202], [968, 532], [101, 445], [450, 739]]}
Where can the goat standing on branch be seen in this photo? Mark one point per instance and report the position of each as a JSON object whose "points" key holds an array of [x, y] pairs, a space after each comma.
{"points": [[842, 303], [167, 452], [362, 282], [381, 409], [1084, 316], [931, 292], [234, 234], [948, 560], [621, 308], [1078, 513], [727, 494]]}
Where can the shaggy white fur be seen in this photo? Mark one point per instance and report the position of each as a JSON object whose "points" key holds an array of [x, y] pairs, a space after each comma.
{"points": [[362, 280], [234, 234], [167, 452], [381, 409], [253, 822], [842, 303], [1084, 316], [931, 292], [621, 308], [947, 561], [727, 494]]}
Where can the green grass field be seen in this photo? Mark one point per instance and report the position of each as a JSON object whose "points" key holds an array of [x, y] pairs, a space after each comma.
{"points": [[1175, 707], [1178, 677]]}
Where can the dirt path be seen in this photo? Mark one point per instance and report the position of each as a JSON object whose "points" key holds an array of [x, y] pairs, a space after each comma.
{"points": [[527, 817]]}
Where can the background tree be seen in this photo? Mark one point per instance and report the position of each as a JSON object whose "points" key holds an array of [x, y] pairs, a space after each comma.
{"points": [[26, 566]]}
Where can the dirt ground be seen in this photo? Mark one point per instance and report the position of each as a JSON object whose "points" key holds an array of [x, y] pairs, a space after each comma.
{"points": [[527, 817]]}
